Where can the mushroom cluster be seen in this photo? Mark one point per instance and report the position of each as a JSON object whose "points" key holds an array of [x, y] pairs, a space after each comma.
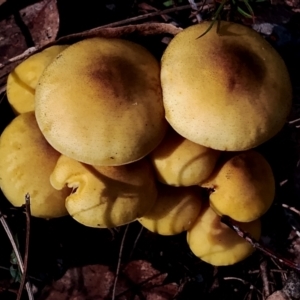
{"points": [[115, 137]]}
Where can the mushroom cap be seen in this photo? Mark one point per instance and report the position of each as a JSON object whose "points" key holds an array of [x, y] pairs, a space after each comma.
{"points": [[216, 243], [174, 211], [243, 186], [22, 81], [106, 197], [26, 162], [227, 90], [106, 95], [181, 162]]}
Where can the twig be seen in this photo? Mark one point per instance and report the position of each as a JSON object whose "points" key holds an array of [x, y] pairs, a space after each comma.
{"points": [[136, 240], [3, 96], [245, 235], [158, 13], [294, 121], [265, 280], [17, 253], [195, 8], [291, 208], [24, 275], [251, 286], [146, 29], [119, 264]]}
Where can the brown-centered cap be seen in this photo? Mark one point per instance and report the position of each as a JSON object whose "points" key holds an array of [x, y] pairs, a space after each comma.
{"points": [[227, 90], [100, 102]]}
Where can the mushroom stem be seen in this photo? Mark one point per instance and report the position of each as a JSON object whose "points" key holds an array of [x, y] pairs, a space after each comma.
{"points": [[245, 235]]}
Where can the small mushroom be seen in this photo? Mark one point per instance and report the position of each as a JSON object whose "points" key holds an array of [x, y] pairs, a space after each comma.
{"points": [[180, 162], [174, 211], [105, 93], [26, 162], [22, 81], [216, 243], [242, 187], [106, 196], [226, 90]]}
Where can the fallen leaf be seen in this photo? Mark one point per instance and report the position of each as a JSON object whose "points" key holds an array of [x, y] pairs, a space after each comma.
{"points": [[278, 295], [138, 280], [42, 20]]}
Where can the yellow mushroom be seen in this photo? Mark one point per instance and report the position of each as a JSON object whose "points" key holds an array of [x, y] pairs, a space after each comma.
{"points": [[174, 211], [216, 243], [243, 186], [227, 90], [105, 93], [22, 81], [106, 196], [26, 162], [180, 162]]}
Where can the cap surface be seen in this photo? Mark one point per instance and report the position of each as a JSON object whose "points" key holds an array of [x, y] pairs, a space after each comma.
{"points": [[243, 186], [22, 81], [216, 243], [174, 211], [106, 196], [26, 162], [181, 162], [100, 102], [228, 90]]}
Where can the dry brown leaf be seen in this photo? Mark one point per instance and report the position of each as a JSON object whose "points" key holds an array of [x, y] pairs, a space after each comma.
{"points": [[40, 24], [97, 281], [12, 42], [145, 29], [42, 20], [278, 295], [93, 281], [291, 289], [151, 281]]}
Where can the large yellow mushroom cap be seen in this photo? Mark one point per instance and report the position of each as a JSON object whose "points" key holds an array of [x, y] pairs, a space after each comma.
{"points": [[26, 162], [243, 186], [22, 81], [180, 162], [227, 90], [106, 196], [100, 102], [216, 243], [174, 211]]}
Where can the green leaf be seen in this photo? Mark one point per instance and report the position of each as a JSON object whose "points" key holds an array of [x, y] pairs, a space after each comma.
{"points": [[244, 14], [15, 273], [168, 3]]}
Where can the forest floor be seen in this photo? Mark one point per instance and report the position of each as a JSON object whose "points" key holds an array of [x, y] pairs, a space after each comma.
{"points": [[67, 260]]}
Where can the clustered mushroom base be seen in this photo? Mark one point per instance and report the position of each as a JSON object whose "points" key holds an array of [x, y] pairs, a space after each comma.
{"points": [[114, 137]]}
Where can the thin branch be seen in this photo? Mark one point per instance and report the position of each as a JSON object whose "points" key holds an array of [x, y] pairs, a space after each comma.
{"points": [[119, 263], [136, 240], [17, 253], [146, 29], [291, 208], [294, 121], [24, 275], [265, 278], [245, 235], [158, 13], [251, 286]]}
